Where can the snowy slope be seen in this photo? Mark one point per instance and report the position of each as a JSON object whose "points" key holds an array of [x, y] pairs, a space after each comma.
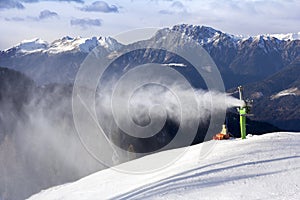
{"points": [[261, 167], [294, 91]]}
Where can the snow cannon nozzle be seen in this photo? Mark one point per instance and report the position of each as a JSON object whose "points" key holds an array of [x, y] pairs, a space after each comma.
{"points": [[249, 102], [246, 103]]}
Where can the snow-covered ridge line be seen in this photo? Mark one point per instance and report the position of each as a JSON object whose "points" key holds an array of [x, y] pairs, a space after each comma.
{"points": [[32, 45], [288, 36], [204, 35], [209, 34], [279, 36], [65, 44]]}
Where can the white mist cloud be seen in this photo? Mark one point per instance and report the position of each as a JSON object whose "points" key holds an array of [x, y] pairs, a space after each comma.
{"points": [[156, 103], [42, 148]]}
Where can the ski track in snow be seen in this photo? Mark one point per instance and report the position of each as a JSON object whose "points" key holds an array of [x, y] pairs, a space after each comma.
{"points": [[196, 179]]}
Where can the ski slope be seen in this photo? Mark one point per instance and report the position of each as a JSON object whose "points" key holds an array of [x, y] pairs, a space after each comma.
{"points": [[260, 167]]}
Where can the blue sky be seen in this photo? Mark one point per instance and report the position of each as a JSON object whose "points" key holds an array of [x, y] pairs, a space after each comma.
{"points": [[53, 19]]}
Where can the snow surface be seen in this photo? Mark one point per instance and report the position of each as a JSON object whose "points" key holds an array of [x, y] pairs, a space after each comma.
{"points": [[288, 92], [174, 65], [260, 167]]}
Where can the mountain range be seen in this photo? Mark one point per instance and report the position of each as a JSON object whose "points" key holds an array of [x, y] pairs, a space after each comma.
{"points": [[267, 65], [240, 59]]}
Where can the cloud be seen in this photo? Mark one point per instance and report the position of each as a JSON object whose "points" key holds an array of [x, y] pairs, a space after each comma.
{"points": [[15, 19], [9, 4], [85, 22], [18, 4], [34, 1], [161, 0], [47, 14], [165, 12], [100, 6], [177, 4], [176, 7], [250, 17]]}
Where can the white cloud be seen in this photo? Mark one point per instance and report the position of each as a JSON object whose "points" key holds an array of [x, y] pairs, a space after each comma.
{"points": [[17, 19], [85, 22], [176, 7], [43, 15], [100, 6], [8, 4], [177, 4], [35, 1], [18, 4], [47, 14]]}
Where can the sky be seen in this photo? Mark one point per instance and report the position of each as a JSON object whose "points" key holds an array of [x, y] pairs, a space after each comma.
{"points": [[54, 19]]}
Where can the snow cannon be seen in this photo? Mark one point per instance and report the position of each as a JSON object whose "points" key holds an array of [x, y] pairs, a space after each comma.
{"points": [[244, 110]]}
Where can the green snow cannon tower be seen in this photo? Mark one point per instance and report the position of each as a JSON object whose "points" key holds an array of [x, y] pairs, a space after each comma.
{"points": [[243, 111]]}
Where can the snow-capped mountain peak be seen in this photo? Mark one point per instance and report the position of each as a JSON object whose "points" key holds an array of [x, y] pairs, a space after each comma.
{"points": [[207, 35], [203, 34], [65, 44], [32, 45], [109, 43], [84, 45], [288, 36]]}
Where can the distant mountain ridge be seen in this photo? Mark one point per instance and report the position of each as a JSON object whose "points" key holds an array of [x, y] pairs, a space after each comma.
{"points": [[204, 35], [68, 43], [246, 59], [65, 44], [261, 63], [259, 55]]}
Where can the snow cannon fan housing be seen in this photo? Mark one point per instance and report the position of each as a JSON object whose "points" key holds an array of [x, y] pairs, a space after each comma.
{"points": [[245, 108], [248, 103]]}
